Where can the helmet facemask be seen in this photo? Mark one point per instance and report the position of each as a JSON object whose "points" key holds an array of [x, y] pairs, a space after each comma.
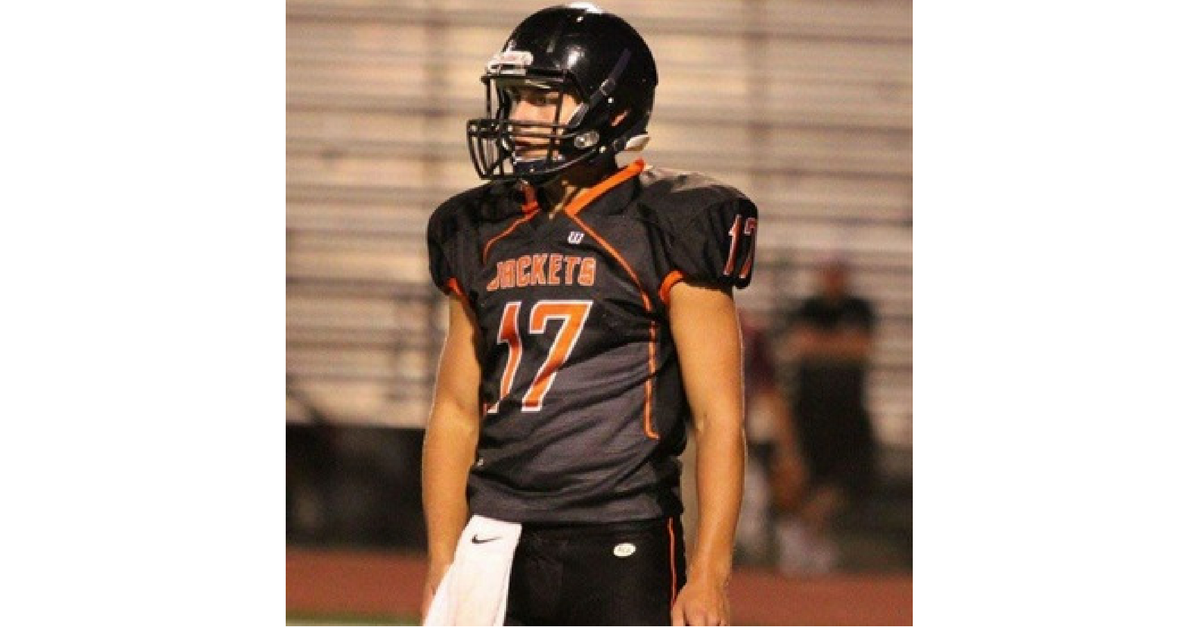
{"points": [[496, 142], [573, 137]]}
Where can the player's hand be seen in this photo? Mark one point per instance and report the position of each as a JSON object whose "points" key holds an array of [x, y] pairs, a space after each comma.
{"points": [[433, 577], [702, 602]]}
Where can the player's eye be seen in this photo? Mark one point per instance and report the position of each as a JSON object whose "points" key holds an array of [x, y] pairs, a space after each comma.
{"points": [[540, 98]]}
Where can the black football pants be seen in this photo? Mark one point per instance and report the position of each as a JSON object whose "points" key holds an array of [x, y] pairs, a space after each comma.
{"points": [[621, 574]]}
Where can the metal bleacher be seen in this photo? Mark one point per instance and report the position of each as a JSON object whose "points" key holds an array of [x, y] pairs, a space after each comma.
{"points": [[804, 105]]}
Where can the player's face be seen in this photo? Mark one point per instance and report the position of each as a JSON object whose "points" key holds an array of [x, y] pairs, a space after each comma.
{"points": [[543, 106]]}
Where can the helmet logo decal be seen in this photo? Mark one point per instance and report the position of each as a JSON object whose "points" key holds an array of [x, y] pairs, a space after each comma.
{"points": [[510, 62]]}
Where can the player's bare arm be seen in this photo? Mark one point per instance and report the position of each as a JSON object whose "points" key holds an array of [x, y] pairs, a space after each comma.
{"points": [[704, 324], [450, 440]]}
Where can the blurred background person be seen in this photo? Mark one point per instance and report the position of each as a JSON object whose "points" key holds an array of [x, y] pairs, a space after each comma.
{"points": [[771, 444], [827, 343]]}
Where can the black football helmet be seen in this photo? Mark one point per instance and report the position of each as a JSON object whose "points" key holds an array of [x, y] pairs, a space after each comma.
{"points": [[576, 49]]}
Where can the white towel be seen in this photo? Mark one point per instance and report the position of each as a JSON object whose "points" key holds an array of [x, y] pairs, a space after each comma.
{"points": [[474, 591]]}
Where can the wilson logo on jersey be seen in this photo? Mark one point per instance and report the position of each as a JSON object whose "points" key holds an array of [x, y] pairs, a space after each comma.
{"points": [[547, 269], [576, 237]]}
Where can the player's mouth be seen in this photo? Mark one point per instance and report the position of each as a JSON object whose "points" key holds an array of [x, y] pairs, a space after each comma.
{"points": [[527, 150]]}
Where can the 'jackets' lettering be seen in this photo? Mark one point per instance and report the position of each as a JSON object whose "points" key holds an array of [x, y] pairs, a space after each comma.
{"points": [[551, 269]]}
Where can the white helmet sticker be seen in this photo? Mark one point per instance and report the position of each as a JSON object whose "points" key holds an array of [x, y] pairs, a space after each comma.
{"points": [[510, 62]]}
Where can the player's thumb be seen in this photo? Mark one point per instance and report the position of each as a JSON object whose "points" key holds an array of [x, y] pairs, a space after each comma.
{"points": [[677, 615]]}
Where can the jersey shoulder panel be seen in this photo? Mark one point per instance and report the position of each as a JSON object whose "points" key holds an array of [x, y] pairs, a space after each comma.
{"points": [[485, 203], [708, 228], [675, 194], [452, 233]]}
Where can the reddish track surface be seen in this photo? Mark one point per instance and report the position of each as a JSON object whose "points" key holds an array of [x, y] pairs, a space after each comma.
{"points": [[366, 583]]}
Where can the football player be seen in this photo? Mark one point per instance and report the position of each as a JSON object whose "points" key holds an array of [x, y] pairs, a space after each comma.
{"points": [[591, 318]]}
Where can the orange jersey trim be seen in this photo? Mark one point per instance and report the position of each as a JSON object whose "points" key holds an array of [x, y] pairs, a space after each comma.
{"points": [[622, 175], [664, 291], [647, 409], [452, 286], [531, 202], [571, 211], [529, 209]]}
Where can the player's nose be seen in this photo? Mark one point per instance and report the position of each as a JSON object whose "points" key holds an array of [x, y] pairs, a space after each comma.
{"points": [[522, 110]]}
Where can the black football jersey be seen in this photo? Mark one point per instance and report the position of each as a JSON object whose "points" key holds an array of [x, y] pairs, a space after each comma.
{"points": [[582, 400]]}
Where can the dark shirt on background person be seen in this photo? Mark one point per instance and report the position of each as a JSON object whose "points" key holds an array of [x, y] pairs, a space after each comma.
{"points": [[827, 345], [829, 389]]}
